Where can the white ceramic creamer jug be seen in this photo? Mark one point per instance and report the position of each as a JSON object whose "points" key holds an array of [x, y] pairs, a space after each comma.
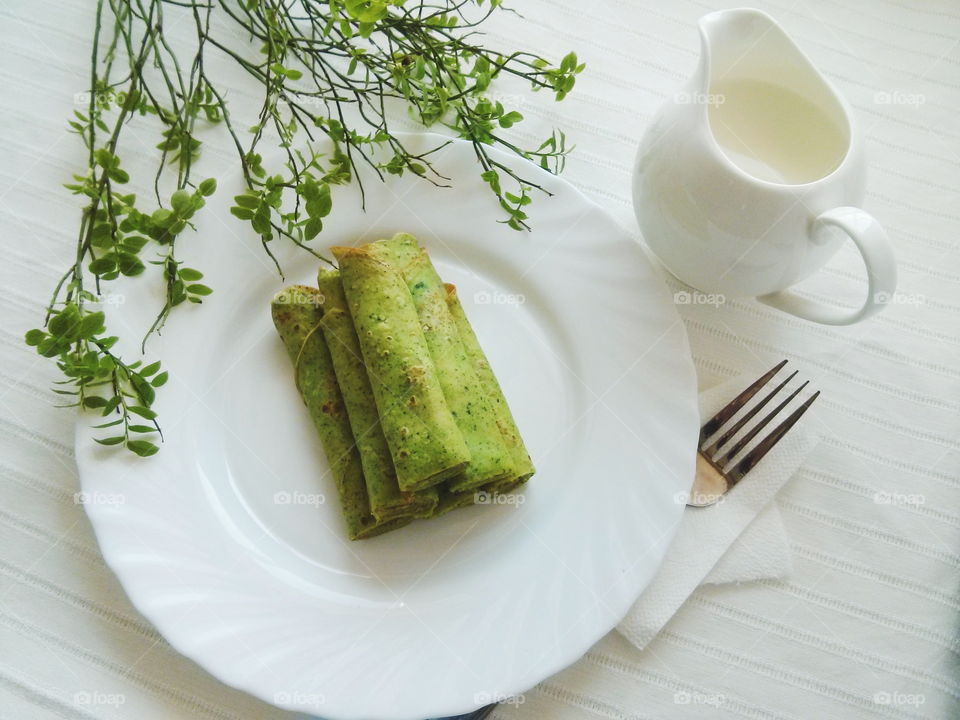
{"points": [[748, 181]]}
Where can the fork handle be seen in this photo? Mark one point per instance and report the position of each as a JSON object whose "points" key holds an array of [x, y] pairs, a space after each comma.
{"points": [[874, 246]]}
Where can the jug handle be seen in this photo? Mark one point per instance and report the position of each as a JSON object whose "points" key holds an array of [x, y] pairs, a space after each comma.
{"points": [[874, 246]]}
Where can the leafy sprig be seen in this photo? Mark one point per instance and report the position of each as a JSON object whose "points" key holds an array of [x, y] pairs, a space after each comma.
{"points": [[98, 379], [330, 74]]}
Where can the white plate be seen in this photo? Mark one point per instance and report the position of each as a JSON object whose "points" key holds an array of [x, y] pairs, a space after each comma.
{"points": [[230, 540]]}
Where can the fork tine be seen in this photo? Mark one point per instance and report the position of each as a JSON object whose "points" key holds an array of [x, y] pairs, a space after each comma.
{"points": [[730, 409], [754, 431], [747, 416], [764, 446]]}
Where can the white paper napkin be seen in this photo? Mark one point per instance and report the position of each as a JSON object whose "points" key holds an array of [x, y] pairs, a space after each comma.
{"points": [[742, 538]]}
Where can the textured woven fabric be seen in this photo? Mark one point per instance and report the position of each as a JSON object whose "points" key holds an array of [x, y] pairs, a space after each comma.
{"points": [[865, 627]]}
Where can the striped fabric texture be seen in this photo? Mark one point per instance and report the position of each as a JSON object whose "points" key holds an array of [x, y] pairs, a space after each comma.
{"points": [[865, 627]]}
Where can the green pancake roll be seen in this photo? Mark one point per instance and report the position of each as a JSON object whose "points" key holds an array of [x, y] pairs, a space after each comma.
{"points": [[450, 500], [489, 456], [521, 464], [387, 501], [503, 487], [425, 443], [296, 312]]}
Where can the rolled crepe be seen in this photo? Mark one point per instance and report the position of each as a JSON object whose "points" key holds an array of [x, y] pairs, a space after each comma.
{"points": [[425, 444], [502, 487], [450, 500], [296, 313], [471, 408], [387, 501], [521, 465]]}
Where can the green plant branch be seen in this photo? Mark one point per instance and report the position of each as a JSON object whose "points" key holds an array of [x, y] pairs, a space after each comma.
{"points": [[326, 70]]}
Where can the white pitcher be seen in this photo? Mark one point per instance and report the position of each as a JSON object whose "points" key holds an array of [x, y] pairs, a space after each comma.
{"points": [[748, 181]]}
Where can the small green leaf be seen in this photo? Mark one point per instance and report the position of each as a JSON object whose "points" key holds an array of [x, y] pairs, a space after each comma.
{"points": [[198, 289], [160, 379], [141, 428], [366, 11], [109, 424], [134, 243], [142, 448], [180, 201], [142, 411], [34, 337], [247, 201], [91, 325], [261, 220], [104, 158], [116, 440], [150, 369], [208, 187], [312, 228], [104, 265], [48, 347], [129, 264], [161, 217], [510, 119], [65, 323], [143, 388], [320, 205]]}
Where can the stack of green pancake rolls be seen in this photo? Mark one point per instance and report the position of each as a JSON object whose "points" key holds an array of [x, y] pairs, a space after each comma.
{"points": [[296, 314], [387, 500], [409, 413]]}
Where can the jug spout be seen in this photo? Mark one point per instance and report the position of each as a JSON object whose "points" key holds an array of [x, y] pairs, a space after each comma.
{"points": [[747, 44], [738, 41], [771, 113]]}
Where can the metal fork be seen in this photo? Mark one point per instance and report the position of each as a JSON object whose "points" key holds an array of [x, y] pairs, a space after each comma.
{"points": [[715, 472]]}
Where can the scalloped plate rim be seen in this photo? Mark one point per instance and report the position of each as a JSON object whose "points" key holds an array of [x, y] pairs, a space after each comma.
{"points": [[562, 658]]}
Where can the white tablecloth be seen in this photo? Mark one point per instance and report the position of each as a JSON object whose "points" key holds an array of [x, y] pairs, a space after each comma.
{"points": [[867, 625]]}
